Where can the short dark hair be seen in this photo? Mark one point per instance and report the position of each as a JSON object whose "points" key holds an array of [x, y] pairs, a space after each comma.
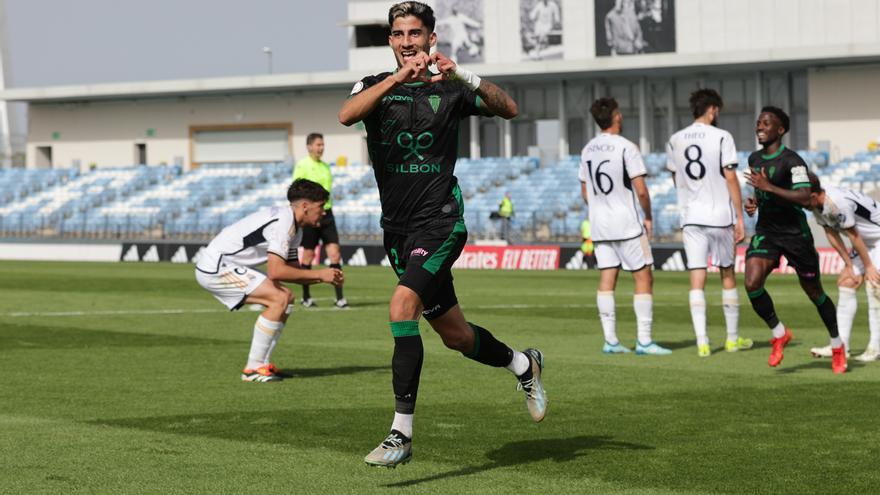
{"points": [[417, 9], [311, 137], [815, 184], [308, 190], [780, 114], [702, 99], [603, 111]]}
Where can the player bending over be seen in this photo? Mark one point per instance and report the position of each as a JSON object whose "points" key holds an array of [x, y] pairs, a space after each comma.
{"points": [[412, 121], [858, 216], [271, 236], [702, 159], [612, 176], [782, 188]]}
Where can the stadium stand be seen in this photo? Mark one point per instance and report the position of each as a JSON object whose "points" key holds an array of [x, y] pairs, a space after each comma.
{"points": [[162, 202]]}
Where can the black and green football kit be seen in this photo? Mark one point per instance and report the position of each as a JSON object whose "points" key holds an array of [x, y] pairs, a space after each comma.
{"points": [[412, 138], [782, 228]]}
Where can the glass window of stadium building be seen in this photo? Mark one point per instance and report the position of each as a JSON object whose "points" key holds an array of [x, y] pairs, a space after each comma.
{"points": [[653, 109]]}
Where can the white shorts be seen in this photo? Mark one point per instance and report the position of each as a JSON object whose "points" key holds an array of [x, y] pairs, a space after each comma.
{"points": [[631, 255], [703, 243], [231, 284], [858, 266]]}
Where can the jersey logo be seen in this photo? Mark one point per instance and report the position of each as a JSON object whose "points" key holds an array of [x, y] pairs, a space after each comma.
{"points": [[434, 100], [415, 144], [799, 174], [756, 241], [358, 87]]}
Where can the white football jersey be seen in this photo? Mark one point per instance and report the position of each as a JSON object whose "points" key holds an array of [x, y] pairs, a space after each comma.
{"points": [[844, 209], [608, 164], [249, 241], [698, 155]]}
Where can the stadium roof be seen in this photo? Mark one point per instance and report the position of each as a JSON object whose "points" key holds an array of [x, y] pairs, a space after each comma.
{"points": [[655, 65]]}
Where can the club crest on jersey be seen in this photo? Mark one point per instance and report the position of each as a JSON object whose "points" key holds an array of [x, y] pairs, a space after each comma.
{"points": [[434, 100]]}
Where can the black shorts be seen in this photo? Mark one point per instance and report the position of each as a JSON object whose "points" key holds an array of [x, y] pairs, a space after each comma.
{"points": [[423, 262], [326, 233], [798, 250]]}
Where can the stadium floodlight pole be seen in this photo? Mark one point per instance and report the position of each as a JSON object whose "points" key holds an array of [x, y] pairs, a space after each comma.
{"points": [[268, 51]]}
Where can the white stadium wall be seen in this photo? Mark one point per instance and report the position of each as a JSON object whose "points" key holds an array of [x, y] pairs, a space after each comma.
{"points": [[844, 108], [104, 133], [729, 31]]}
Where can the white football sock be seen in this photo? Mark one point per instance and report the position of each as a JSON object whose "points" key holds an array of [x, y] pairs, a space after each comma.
{"points": [[643, 304], [697, 299], [874, 314], [264, 333], [605, 302], [519, 364], [730, 304], [403, 424], [847, 306], [836, 342], [778, 330], [268, 358]]}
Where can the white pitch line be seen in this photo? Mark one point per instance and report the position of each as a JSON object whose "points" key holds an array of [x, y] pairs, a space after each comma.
{"points": [[114, 312]]}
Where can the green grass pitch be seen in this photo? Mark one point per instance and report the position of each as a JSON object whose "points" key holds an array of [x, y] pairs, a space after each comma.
{"points": [[123, 378]]}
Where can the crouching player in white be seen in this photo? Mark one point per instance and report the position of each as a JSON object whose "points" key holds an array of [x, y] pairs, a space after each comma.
{"points": [[612, 176], [271, 236], [702, 159], [858, 216]]}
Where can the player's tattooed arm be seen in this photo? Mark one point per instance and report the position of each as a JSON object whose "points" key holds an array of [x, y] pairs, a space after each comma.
{"points": [[497, 101]]}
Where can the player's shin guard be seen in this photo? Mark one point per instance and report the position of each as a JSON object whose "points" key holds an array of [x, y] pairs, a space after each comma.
{"points": [[847, 306], [487, 349], [828, 313], [874, 313], [697, 300], [307, 292], [763, 306], [730, 305], [406, 364], [338, 288]]}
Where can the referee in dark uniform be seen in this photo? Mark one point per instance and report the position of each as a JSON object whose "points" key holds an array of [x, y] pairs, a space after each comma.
{"points": [[315, 170]]}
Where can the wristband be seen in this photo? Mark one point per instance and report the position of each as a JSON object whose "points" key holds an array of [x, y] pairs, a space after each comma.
{"points": [[468, 78]]}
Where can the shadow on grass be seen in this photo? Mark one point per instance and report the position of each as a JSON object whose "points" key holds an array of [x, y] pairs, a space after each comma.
{"points": [[812, 365], [529, 451], [297, 373], [45, 337]]}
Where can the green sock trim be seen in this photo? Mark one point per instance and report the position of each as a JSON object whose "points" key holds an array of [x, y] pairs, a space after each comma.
{"points": [[821, 300], [756, 293], [476, 349], [406, 328]]}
